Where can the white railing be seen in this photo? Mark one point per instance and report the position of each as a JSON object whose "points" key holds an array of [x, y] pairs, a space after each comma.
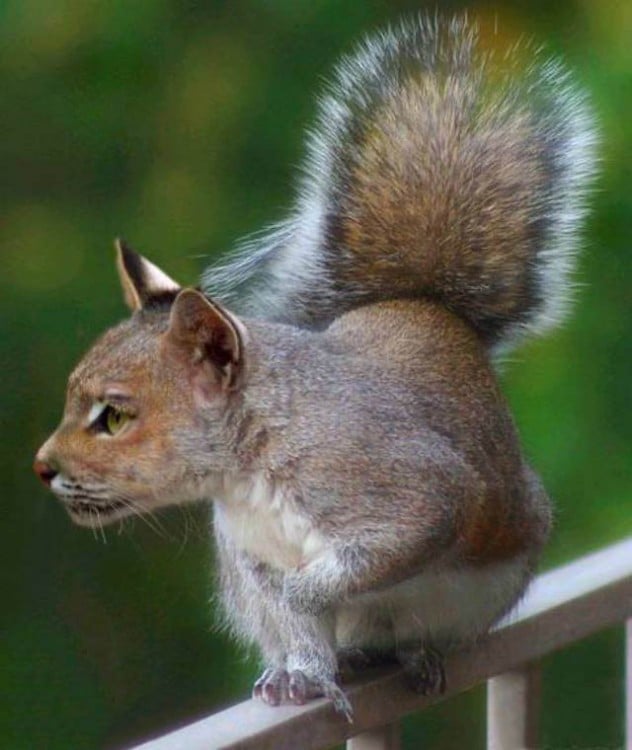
{"points": [[560, 607]]}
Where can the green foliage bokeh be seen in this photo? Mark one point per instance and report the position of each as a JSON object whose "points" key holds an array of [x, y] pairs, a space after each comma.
{"points": [[179, 125]]}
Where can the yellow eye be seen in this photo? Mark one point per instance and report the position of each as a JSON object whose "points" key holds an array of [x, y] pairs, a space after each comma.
{"points": [[114, 419]]}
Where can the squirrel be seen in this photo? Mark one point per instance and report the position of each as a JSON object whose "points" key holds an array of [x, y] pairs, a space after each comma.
{"points": [[331, 387]]}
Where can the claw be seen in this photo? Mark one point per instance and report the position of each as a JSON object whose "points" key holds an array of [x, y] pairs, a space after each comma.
{"points": [[302, 688], [258, 686], [341, 703], [299, 688], [271, 687]]}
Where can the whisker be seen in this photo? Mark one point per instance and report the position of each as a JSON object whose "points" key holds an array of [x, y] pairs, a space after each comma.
{"points": [[184, 510], [100, 522], [94, 530], [153, 523], [147, 517]]}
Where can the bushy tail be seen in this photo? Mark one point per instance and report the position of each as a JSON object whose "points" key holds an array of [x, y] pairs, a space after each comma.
{"points": [[434, 171]]}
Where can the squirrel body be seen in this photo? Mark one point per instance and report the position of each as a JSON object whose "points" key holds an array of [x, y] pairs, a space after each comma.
{"points": [[335, 395], [441, 447]]}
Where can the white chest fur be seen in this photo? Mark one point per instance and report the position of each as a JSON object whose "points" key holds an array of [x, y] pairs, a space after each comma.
{"points": [[261, 518]]}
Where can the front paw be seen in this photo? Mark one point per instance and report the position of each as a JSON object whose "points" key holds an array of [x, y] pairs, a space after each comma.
{"points": [[276, 686], [272, 686], [300, 596]]}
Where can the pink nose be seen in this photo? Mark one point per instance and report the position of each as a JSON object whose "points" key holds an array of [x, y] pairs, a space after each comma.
{"points": [[44, 471]]}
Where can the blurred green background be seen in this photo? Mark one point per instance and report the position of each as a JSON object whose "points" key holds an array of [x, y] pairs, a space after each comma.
{"points": [[179, 126]]}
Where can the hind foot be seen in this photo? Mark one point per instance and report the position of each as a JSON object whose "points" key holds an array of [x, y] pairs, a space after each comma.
{"points": [[424, 671], [352, 661]]}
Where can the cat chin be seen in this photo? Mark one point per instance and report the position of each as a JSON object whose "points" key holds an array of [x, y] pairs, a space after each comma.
{"points": [[95, 516]]}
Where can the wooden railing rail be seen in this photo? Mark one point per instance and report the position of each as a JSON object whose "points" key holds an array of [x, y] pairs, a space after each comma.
{"points": [[560, 607]]}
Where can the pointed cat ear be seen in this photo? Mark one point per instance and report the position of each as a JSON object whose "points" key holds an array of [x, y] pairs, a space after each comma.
{"points": [[210, 334], [144, 284]]}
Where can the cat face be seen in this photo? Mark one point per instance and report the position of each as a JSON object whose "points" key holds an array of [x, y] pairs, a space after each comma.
{"points": [[143, 424]]}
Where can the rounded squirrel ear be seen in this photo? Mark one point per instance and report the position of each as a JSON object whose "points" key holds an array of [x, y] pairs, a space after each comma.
{"points": [[144, 284], [209, 333]]}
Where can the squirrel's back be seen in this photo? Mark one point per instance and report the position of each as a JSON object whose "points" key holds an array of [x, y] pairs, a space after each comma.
{"points": [[435, 170]]}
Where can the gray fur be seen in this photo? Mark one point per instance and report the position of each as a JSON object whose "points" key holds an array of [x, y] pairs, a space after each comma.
{"points": [[386, 461]]}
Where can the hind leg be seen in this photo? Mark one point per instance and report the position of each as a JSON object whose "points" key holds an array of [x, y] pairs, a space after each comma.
{"points": [[364, 638]]}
